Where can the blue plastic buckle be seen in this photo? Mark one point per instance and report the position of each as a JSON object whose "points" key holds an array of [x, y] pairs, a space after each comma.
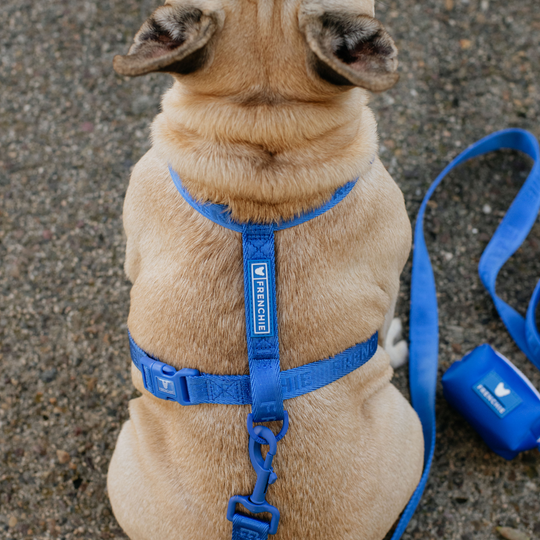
{"points": [[256, 502], [165, 382]]}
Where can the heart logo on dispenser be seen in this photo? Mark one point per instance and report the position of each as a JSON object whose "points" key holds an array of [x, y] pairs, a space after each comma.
{"points": [[501, 391]]}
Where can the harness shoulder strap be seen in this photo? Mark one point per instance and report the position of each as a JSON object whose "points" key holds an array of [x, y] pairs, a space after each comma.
{"points": [[220, 214]]}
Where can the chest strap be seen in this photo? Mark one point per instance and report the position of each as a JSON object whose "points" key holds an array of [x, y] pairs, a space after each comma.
{"points": [[190, 387]]}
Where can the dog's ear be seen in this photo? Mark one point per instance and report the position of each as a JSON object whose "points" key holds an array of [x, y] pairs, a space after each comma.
{"points": [[174, 39], [351, 50]]}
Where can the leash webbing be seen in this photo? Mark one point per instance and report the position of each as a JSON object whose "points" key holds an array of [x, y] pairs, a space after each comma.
{"points": [[424, 338], [246, 528]]}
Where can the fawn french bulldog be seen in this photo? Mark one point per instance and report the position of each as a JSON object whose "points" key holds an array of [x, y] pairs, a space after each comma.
{"points": [[267, 115]]}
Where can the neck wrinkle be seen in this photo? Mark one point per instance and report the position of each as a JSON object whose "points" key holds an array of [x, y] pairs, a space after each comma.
{"points": [[265, 163]]}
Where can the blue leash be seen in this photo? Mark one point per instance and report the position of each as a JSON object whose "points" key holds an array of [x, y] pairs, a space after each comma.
{"points": [[424, 323]]}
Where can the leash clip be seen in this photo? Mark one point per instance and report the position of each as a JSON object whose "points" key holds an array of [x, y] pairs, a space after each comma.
{"points": [[256, 502]]}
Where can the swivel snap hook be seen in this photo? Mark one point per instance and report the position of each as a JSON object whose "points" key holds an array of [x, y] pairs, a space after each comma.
{"points": [[263, 466], [256, 502]]}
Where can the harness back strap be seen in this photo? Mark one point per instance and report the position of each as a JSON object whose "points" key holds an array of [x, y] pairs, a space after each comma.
{"points": [[261, 322]]}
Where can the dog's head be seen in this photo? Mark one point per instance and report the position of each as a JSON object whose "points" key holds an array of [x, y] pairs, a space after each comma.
{"points": [[263, 50]]}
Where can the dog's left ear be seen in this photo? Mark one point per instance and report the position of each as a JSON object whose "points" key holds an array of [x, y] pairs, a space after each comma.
{"points": [[174, 39], [351, 50]]}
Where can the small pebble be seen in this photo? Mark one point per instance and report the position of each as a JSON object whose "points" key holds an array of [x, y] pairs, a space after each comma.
{"points": [[88, 127], [49, 375], [512, 534], [447, 255], [63, 456]]}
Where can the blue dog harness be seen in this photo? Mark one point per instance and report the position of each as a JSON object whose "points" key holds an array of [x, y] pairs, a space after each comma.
{"points": [[266, 386]]}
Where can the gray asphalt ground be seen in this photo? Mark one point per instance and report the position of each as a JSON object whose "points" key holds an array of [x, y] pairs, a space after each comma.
{"points": [[71, 130]]}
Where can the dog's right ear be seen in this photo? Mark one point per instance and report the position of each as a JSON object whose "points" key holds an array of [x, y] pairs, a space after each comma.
{"points": [[174, 39]]}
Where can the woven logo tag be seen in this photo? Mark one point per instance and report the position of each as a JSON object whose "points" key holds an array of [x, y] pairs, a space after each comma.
{"points": [[496, 393], [260, 299], [166, 385]]}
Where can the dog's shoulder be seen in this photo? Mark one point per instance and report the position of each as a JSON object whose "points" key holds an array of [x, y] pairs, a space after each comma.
{"points": [[380, 215], [378, 197], [148, 176], [150, 194]]}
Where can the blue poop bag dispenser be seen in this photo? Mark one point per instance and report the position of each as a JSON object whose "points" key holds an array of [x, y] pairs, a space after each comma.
{"points": [[497, 400]]}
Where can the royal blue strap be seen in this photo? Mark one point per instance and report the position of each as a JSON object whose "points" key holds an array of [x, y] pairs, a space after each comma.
{"points": [[220, 214], [532, 335], [510, 234], [246, 528], [261, 322], [424, 323], [236, 389]]}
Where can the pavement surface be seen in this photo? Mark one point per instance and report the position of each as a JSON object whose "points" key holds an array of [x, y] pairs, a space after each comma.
{"points": [[71, 130]]}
